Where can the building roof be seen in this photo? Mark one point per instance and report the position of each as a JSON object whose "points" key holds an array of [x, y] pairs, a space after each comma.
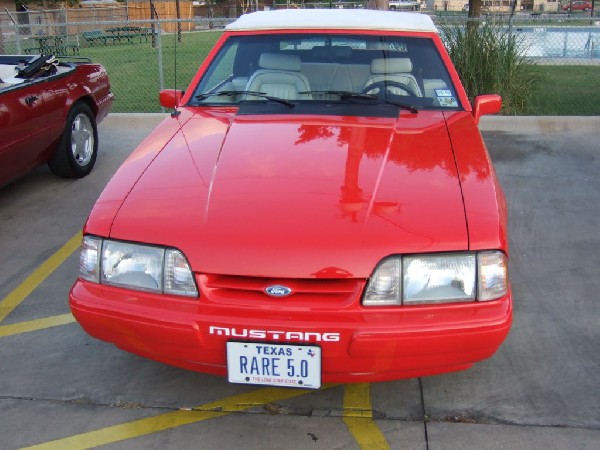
{"points": [[345, 19]]}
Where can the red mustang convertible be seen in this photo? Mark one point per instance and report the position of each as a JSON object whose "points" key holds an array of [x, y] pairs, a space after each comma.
{"points": [[48, 114], [320, 207]]}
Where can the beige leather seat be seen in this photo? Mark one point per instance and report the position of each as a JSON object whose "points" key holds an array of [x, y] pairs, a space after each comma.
{"points": [[279, 76], [393, 70], [6, 72]]}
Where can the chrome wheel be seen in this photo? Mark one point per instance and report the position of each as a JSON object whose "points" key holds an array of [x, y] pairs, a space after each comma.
{"points": [[76, 152], [82, 140]]}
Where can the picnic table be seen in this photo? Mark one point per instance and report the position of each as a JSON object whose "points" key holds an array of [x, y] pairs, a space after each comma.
{"points": [[95, 36], [128, 33], [54, 44]]}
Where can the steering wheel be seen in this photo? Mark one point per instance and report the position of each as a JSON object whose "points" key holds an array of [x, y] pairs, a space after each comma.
{"points": [[383, 85]]}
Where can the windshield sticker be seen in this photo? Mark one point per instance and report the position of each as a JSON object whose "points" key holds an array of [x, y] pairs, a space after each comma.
{"points": [[448, 101], [446, 98], [443, 93]]}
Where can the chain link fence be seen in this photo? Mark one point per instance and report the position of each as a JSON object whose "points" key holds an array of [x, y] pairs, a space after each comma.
{"points": [[564, 53], [144, 53]]}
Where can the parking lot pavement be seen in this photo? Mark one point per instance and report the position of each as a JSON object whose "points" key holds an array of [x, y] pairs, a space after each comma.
{"points": [[62, 389]]}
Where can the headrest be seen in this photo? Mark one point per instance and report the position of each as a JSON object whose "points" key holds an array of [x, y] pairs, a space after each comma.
{"points": [[320, 50], [277, 61], [332, 51], [391, 65], [342, 51]]}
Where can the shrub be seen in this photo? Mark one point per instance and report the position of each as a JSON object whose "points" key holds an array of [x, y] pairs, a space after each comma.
{"points": [[489, 61]]}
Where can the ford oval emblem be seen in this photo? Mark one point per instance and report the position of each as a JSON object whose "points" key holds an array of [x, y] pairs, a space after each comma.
{"points": [[277, 290]]}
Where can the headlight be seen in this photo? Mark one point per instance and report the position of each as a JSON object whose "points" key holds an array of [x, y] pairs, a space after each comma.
{"points": [[134, 266], [438, 278]]}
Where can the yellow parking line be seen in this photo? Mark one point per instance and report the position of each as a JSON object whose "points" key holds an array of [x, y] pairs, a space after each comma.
{"points": [[14, 299], [34, 325], [358, 417], [174, 419]]}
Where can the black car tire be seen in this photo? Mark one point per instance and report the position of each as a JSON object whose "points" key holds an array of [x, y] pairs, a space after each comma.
{"points": [[77, 149]]}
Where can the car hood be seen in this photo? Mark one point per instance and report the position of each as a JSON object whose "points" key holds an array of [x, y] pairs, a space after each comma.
{"points": [[298, 196]]}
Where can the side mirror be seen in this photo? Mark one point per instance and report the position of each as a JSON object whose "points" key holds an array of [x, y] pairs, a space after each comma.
{"points": [[486, 104], [170, 98]]}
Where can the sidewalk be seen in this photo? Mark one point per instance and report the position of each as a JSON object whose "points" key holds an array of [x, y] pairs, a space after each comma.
{"points": [[513, 124], [540, 124]]}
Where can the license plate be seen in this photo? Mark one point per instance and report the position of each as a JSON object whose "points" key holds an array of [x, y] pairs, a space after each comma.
{"points": [[274, 364]]}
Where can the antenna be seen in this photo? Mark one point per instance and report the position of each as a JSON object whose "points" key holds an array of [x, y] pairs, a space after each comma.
{"points": [[175, 50], [176, 112]]}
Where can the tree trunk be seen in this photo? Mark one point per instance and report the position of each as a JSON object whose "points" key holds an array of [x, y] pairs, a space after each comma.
{"points": [[474, 8], [378, 4]]}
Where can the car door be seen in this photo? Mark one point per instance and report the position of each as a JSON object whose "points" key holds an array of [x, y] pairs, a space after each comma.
{"points": [[23, 129], [56, 92]]}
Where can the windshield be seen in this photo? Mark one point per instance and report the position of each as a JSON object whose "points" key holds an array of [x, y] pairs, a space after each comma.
{"points": [[327, 69]]}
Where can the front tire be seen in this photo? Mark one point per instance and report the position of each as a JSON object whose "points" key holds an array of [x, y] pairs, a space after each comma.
{"points": [[77, 149]]}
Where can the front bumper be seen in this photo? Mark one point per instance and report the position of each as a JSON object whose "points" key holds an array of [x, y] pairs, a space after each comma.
{"points": [[358, 344]]}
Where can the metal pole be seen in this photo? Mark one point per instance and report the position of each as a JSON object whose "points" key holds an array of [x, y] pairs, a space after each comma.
{"points": [[161, 78], [510, 19], [152, 27], [178, 22], [17, 32]]}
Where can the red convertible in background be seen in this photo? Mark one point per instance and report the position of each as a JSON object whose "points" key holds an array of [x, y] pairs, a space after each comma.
{"points": [[48, 113]]}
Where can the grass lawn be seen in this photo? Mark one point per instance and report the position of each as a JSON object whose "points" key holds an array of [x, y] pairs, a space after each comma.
{"points": [[134, 75], [133, 68], [567, 91]]}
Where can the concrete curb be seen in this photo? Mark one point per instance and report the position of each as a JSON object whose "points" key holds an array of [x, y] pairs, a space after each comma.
{"points": [[540, 124], [133, 119], [512, 124]]}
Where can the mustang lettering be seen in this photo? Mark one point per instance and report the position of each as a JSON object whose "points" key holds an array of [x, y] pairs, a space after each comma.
{"points": [[287, 336]]}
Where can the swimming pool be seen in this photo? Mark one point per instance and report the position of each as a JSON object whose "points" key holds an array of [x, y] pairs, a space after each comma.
{"points": [[559, 42]]}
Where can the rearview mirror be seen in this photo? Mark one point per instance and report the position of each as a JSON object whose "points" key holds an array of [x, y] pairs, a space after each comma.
{"points": [[486, 104], [170, 98]]}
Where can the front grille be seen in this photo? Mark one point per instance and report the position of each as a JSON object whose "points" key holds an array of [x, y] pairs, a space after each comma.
{"points": [[249, 290]]}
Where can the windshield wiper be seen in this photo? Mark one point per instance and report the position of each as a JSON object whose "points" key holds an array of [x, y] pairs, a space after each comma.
{"points": [[411, 108], [253, 93], [346, 95]]}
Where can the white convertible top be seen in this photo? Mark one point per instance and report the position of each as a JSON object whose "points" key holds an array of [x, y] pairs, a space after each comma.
{"points": [[345, 19]]}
